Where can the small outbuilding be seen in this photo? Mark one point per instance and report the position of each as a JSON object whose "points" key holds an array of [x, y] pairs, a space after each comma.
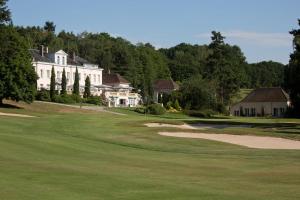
{"points": [[164, 86], [263, 102]]}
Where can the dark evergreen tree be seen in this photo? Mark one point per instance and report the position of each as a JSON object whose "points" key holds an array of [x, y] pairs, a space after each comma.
{"points": [[87, 88], [63, 83], [76, 83], [5, 15], [223, 67], [293, 73], [49, 26], [52, 84]]}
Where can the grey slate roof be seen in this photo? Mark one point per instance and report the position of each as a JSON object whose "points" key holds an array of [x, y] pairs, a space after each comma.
{"points": [[39, 58]]}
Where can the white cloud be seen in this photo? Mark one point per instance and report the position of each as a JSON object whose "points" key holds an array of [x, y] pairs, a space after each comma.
{"points": [[255, 38]]}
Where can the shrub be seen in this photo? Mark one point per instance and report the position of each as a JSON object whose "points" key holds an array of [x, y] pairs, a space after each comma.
{"points": [[176, 105], [76, 98], [200, 113], [169, 105], [43, 95], [94, 100], [68, 99], [140, 110], [156, 109]]}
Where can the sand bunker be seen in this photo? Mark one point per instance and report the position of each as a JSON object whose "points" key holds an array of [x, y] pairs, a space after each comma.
{"points": [[200, 126], [14, 115], [260, 142], [159, 125]]}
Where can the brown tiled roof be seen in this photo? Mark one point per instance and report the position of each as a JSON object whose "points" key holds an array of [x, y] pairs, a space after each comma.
{"points": [[113, 79], [165, 85], [275, 94]]}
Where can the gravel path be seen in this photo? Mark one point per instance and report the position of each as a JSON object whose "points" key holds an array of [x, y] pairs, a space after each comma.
{"points": [[259, 142]]}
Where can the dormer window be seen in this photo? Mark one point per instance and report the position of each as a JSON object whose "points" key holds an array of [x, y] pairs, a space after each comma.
{"points": [[58, 59]]}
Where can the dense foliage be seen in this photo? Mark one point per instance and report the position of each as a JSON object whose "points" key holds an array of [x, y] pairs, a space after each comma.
{"points": [[197, 94], [293, 73], [17, 75]]}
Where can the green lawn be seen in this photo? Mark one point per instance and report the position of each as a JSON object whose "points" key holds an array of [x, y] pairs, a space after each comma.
{"points": [[69, 154]]}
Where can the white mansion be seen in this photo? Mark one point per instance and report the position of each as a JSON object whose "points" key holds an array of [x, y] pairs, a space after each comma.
{"points": [[117, 94]]}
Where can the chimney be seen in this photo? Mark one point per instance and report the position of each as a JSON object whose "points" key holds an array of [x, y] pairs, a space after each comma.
{"points": [[74, 56], [42, 50], [46, 51]]}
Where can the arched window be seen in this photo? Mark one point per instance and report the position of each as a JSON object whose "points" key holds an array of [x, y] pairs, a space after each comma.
{"points": [[63, 60], [58, 60]]}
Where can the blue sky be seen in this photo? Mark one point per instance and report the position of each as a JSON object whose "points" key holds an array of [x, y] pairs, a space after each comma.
{"points": [[259, 27]]}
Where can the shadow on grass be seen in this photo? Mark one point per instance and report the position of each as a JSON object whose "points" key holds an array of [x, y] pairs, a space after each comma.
{"points": [[10, 106]]}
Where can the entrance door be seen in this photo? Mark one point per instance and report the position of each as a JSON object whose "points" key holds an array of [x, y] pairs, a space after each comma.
{"points": [[122, 102], [262, 111]]}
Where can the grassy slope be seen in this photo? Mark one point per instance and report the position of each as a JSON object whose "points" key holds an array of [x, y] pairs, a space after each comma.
{"points": [[65, 154], [240, 95]]}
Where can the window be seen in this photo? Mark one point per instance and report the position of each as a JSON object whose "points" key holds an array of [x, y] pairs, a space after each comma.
{"points": [[132, 102], [247, 112], [236, 113], [58, 60], [57, 74], [84, 76], [282, 111], [63, 60], [48, 73], [41, 73], [68, 75], [79, 76], [73, 75], [99, 79], [253, 112], [94, 78]]}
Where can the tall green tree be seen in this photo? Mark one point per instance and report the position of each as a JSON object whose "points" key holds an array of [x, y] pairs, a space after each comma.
{"points": [[63, 83], [223, 68], [293, 72], [5, 15], [17, 75], [52, 84], [87, 88], [76, 83]]}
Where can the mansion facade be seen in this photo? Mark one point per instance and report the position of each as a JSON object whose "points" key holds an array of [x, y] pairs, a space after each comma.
{"points": [[43, 61]]}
